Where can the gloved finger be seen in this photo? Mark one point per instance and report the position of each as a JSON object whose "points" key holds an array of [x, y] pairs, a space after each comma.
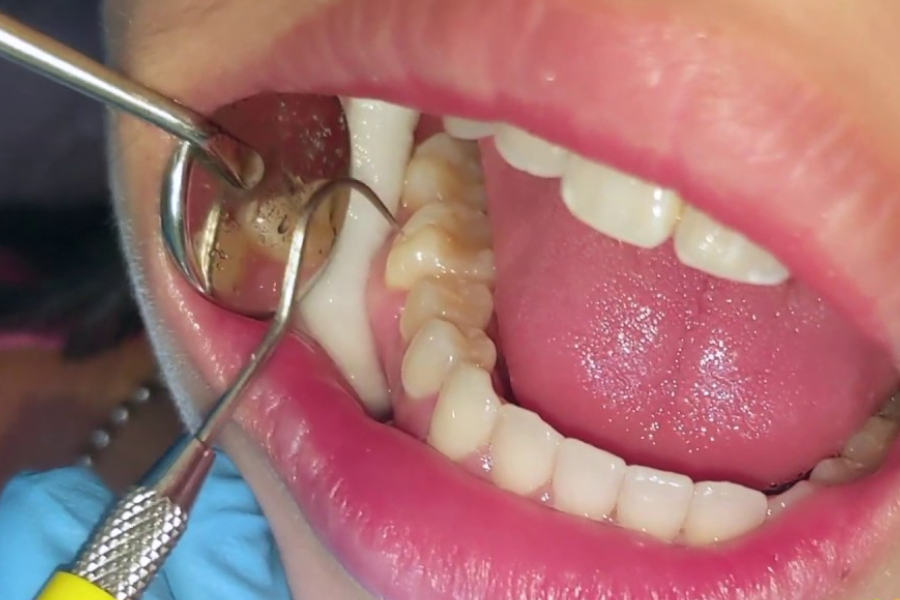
{"points": [[228, 550], [45, 518]]}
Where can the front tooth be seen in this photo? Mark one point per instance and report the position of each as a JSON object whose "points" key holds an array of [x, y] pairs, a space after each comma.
{"points": [[443, 169], [709, 246], [334, 311], [619, 205], [433, 352], [465, 414], [467, 129], [431, 252], [836, 471], [722, 511], [463, 303], [655, 502], [868, 446], [530, 153], [523, 450], [586, 480]]}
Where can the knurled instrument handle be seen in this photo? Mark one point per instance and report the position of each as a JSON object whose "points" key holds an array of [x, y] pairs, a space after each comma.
{"points": [[125, 554]]}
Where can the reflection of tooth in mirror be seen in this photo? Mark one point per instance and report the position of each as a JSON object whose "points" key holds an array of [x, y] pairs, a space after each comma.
{"points": [[304, 142]]}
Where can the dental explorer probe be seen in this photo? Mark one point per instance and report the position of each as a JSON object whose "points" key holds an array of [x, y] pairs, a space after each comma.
{"points": [[127, 551], [236, 162]]}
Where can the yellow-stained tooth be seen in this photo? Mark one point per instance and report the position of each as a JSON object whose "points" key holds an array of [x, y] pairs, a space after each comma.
{"points": [[444, 169], [431, 252], [463, 303]]}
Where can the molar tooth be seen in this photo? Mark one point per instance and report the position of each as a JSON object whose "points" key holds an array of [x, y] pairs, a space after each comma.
{"points": [[444, 169], [465, 414], [435, 349], [430, 251], [867, 446], [655, 502], [457, 220], [722, 511], [530, 153], [269, 225], [619, 205], [586, 481], [523, 449], [782, 502], [836, 471], [463, 303], [467, 129], [707, 245]]}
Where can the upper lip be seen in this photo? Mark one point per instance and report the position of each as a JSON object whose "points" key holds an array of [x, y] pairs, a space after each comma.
{"points": [[639, 101], [781, 160]]}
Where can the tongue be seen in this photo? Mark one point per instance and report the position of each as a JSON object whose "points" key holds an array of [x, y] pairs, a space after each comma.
{"points": [[633, 352]]}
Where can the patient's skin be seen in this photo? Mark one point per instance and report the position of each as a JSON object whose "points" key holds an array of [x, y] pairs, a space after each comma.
{"points": [[845, 50]]}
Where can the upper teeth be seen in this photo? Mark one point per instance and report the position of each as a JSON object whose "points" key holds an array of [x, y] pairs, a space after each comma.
{"points": [[629, 209]]}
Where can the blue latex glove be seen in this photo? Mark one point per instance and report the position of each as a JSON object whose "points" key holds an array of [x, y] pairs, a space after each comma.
{"points": [[227, 552]]}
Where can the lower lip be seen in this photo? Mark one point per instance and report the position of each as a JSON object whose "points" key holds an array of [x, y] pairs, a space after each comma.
{"points": [[409, 524]]}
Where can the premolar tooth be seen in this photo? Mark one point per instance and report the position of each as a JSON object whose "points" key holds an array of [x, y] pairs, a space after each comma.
{"points": [[465, 413], [523, 449], [431, 251], [467, 129], [836, 471], [619, 205], [586, 480], [722, 511], [655, 502], [444, 169], [867, 446], [335, 310], [435, 349], [463, 303], [530, 153], [707, 245]]}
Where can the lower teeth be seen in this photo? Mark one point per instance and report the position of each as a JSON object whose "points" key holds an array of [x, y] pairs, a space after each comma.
{"points": [[449, 276], [444, 261]]}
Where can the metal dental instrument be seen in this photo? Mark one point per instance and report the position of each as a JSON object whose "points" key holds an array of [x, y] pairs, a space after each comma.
{"points": [[128, 549], [131, 545], [237, 163]]}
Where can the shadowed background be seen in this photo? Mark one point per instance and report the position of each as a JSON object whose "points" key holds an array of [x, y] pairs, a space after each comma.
{"points": [[71, 345]]}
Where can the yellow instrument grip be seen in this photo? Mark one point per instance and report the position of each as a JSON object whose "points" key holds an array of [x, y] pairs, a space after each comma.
{"points": [[65, 586]]}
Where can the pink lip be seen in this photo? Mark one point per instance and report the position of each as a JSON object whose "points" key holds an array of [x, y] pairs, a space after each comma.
{"points": [[409, 524]]}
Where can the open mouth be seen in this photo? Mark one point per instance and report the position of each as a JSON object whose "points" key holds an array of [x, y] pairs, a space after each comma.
{"points": [[603, 358]]}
